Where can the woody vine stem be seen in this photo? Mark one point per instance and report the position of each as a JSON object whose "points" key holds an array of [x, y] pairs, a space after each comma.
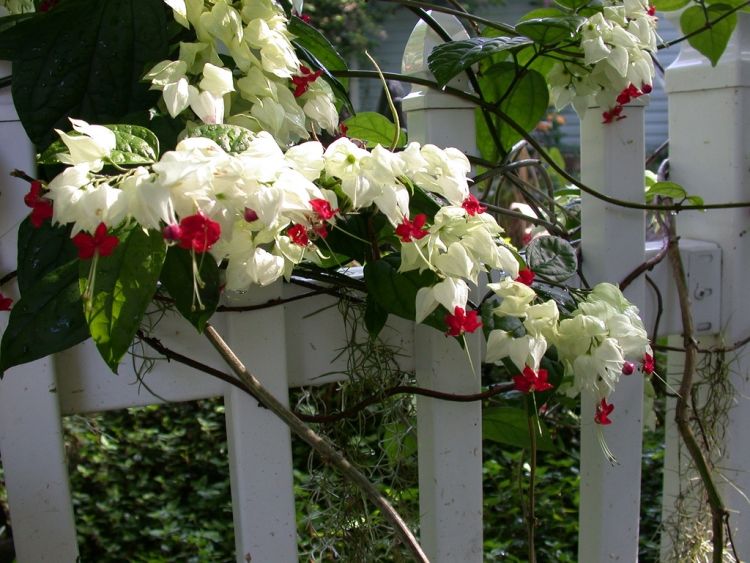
{"points": [[325, 449]]}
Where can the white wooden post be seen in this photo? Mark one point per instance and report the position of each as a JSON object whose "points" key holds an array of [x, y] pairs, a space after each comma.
{"points": [[31, 436], [260, 450], [709, 115], [450, 434], [613, 243]]}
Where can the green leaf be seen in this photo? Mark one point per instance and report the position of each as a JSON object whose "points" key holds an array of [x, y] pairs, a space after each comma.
{"points": [[124, 285], [13, 30], [524, 98], [671, 190], [510, 426], [710, 42], [375, 317], [40, 251], [86, 59], [552, 257], [134, 145], [542, 13], [177, 277], [317, 51], [665, 189], [669, 5], [374, 129], [315, 43], [232, 138], [449, 59], [572, 4], [548, 31], [395, 291], [732, 3], [399, 441], [47, 319]]}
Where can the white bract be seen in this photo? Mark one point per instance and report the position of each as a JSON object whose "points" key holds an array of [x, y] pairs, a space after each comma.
{"points": [[258, 93], [617, 44]]}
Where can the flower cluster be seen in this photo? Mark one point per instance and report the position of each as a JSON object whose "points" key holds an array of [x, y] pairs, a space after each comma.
{"points": [[617, 44], [593, 343], [264, 210], [268, 90]]}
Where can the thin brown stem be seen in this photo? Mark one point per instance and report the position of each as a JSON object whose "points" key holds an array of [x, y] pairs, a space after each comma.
{"points": [[328, 453], [531, 515], [644, 267], [352, 411], [682, 409], [8, 277]]}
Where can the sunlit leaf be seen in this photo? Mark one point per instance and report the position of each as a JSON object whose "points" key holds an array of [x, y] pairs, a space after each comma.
{"points": [[449, 59]]}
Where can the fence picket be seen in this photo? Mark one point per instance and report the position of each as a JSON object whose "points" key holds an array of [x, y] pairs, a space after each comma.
{"points": [[708, 153], [450, 434], [613, 243]]}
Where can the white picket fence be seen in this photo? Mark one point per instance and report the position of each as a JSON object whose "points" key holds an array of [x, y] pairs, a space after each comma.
{"points": [[285, 346]]}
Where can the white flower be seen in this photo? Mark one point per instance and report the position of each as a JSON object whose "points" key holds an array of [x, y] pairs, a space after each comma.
{"points": [[94, 143], [166, 72], [307, 159], [516, 297], [524, 351], [208, 107], [542, 319], [148, 203], [450, 293], [216, 80], [176, 97]]}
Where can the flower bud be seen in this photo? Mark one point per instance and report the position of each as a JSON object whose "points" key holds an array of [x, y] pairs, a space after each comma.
{"points": [[250, 215], [172, 233], [628, 368]]}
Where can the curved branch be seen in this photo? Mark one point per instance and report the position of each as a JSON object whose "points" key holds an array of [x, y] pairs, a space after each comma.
{"points": [[321, 445]]}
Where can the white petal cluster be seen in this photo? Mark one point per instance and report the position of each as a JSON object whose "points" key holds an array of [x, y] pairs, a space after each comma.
{"points": [[263, 198], [617, 44], [592, 344], [258, 92], [602, 334]]}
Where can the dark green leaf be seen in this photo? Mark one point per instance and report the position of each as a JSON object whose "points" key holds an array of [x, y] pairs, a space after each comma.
{"points": [[317, 51], [396, 292], [552, 257], [232, 138], [710, 42], [572, 4], [523, 98], [135, 145], [315, 43], [350, 236], [508, 425], [550, 30], [13, 32], [375, 318], [47, 319], [374, 129], [449, 59], [124, 285], [40, 251], [177, 277], [86, 59]]}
